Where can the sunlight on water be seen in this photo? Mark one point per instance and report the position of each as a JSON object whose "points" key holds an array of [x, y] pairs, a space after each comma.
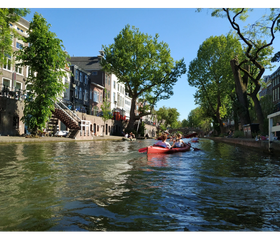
{"points": [[110, 186]]}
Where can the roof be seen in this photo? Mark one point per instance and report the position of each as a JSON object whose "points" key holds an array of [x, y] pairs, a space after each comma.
{"points": [[97, 85], [24, 22], [87, 63]]}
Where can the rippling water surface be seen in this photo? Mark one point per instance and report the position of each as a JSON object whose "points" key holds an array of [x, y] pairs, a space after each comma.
{"points": [[109, 186]]}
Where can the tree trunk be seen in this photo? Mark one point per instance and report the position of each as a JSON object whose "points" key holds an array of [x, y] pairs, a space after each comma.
{"points": [[241, 92], [235, 118], [130, 125], [259, 113]]}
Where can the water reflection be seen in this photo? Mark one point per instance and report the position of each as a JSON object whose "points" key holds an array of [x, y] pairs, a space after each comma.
{"points": [[109, 186]]}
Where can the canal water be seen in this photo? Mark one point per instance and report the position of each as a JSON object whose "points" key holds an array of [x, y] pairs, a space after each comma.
{"points": [[110, 186]]}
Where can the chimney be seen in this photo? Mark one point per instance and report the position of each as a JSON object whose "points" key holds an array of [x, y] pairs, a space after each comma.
{"points": [[101, 53]]}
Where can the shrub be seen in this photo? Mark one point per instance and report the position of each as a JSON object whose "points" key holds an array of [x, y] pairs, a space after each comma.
{"points": [[238, 134]]}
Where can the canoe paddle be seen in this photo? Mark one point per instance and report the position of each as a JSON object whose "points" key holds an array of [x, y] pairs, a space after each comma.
{"points": [[195, 149]]}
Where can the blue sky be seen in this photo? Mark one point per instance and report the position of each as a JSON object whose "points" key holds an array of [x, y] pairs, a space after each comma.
{"points": [[84, 31]]}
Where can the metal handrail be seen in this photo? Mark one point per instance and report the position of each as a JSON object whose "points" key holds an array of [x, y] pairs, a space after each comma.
{"points": [[68, 110], [57, 106]]}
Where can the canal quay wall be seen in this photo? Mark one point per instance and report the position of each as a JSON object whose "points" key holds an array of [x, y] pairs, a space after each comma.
{"points": [[261, 145], [21, 139]]}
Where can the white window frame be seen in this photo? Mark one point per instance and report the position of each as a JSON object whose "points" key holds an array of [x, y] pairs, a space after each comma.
{"points": [[20, 86], [19, 68], [80, 94], [96, 96], [86, 95], [9, 80], [19, 44], [5, 66], [100, 97], [76, 92]]}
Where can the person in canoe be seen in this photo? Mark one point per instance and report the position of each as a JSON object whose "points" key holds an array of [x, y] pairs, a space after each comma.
{"points": [[178, 143], [163, 143]]}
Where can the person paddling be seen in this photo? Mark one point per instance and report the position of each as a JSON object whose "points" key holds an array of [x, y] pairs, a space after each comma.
{"points": [[178, 142], [163, 143]]}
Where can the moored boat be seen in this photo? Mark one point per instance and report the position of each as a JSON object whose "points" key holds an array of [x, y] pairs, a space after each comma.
{"points": [[128, 139]]}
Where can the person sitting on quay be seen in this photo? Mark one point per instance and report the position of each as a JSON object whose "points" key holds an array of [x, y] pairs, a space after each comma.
{"points": [[131, 135], [230, 134], [163, 143]]}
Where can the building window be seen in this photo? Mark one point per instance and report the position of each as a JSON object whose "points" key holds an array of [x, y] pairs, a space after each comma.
{"points": [[18, 86], [76, 92], [6, 83], [94, 73], [19, 29], [100, 99], [86, 79], [19, 45], [19, 69], [114, 84], [81, 94], [77, 75], [85, 96], [81, 77], [90, 95], [8, 65], [114, 96], [108, 94], [95, 96]]}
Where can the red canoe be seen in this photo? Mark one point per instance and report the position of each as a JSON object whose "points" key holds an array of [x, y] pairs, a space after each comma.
{"points": [[155, 149]]}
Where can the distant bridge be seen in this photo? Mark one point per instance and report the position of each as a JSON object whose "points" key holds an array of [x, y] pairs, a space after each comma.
{"points": [[187, 130]]}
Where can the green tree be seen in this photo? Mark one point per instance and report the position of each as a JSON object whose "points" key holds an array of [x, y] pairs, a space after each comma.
{"points": [[106, 109], [254, 56], [168, 117], [185, 123], [162, 114], [210, 72], [144, 65], [198, 118], [172, 118], [9, 16], [47, 61]]}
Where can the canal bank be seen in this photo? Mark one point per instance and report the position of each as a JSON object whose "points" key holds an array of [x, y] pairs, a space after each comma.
{"points": [[21, 139], [260, 145]]}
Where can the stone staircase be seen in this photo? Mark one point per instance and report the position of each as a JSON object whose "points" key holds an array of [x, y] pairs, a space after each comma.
{"points": [[68, 117], [51, 126]]}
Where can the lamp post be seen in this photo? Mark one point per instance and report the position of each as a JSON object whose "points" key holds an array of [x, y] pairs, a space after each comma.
{"points": [[73, 95]]}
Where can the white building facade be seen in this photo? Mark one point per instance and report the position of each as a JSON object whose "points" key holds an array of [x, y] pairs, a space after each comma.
{"points": [[117, 94]]}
